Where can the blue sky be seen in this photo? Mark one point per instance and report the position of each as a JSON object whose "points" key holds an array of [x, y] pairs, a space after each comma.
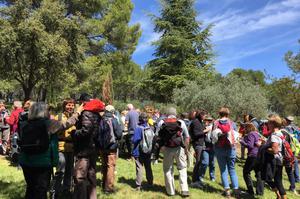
{"points": [[251, 34]]}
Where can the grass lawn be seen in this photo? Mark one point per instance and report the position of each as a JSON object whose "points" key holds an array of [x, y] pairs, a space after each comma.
{"points": [[12, 185]]}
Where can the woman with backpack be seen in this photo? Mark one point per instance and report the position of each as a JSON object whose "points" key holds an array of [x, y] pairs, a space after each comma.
{"points": [[252, 142], [273, 158], [39, 148], [225, 151], [142, 147]]}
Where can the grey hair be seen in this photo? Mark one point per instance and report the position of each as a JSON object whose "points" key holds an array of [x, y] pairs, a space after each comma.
{"points": [[171, 111], [38, 110], [18, 104], [130, 106]]}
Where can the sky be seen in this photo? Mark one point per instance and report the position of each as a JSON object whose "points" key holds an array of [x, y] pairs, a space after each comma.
{"points": [[248, 34]]}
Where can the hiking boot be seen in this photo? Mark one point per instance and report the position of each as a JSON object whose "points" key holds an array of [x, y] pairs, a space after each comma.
{"points": [[295, 192], [185, 194]]}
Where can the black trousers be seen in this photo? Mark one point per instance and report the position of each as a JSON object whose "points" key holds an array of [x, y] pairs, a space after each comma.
{"points": [[250, 165], [37, 181], [196, 170], [277, 181]]}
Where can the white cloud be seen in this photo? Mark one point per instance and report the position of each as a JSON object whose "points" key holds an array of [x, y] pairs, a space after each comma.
{"points": [[235, 23]]}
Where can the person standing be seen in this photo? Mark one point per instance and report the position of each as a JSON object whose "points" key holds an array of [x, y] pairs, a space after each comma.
{"points": [[131, 121], [225, 151], [110, 134], [273, 158], [208, 154], [143, 134], [84, 148], [173, 136], [252, 142], [39, 148], [197, 134], [4, 129], [64, 169]]}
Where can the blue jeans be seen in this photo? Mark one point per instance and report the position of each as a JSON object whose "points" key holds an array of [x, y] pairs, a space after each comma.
{"points": [[226, 160], [208, 159], [296, 171]]}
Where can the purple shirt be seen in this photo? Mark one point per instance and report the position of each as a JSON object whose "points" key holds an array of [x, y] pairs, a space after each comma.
{"points": [[249, 142]]}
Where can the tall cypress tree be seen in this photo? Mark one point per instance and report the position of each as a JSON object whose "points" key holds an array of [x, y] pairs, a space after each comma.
{"points": [[182, 52]]}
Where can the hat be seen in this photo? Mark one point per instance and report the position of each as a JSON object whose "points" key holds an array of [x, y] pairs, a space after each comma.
{"points": [[208, 118], [109, 108], [171, 111], [290, 118]]}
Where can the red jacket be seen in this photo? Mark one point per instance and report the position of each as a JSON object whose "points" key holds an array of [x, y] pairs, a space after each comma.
{"points": [[13, 119]]}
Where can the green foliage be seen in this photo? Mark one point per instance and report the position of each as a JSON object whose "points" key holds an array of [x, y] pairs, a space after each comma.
{"points": [[182, 52], [284, 95], [293, 61], [238, 94], [38, 43], [256, 77]]}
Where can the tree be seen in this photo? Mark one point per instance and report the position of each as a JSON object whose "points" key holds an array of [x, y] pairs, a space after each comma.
{"points": [[239, 94], [38, 42], [293, 61], [284, 95], [183, 50], [256, 77]]}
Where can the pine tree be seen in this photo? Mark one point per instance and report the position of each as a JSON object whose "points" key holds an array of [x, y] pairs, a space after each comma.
{"points": [[183, 50]]}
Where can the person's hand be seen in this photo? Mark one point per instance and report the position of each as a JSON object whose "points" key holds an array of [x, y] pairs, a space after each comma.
{"points": [[80, 109]]}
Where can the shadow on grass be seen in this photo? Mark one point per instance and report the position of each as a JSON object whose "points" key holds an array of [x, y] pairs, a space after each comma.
{"points": [[12, 190], [131, 182]]}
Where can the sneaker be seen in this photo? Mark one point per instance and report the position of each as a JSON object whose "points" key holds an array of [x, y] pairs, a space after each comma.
{"points": [[237, 193], [201, 180], [138, 188], [213, 180], [197, 184], [185, 194]]}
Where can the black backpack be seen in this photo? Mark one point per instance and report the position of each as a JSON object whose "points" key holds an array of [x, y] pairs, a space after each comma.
{"points": [[171, 133], [34, 138], [106, 138]]}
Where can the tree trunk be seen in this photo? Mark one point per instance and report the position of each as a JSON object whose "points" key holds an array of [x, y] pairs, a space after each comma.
{"points": [[27, 92]]}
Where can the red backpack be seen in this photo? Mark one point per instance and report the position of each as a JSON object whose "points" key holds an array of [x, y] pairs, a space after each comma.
{"points": [[288, 155], [224, 140]]}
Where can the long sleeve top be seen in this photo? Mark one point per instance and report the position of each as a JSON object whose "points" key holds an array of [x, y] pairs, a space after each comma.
{"points": [[249, 142]]}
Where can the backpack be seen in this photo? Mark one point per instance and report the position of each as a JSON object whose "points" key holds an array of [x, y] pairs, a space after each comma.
{"points": [[105, 138], [288, 155], [147, 140], [171, 133], [228, 136], [34, 138]]}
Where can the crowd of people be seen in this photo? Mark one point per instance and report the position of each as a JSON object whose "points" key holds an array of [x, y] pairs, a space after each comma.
{"points": [[73, 140]]}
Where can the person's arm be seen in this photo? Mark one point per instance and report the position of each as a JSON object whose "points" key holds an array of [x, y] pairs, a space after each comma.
{"points": [[137, 137], [58, 126], [11, 119], [274, 148]]}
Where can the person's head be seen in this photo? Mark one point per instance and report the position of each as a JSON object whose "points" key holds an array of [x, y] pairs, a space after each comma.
{"points": [[208, 119], [200, 114], [171, 111], [2, 105], [84, 97], [284, 122], [38, 110], [110, 109], [246, 118], [124, 113], [192, 115], [26, 105], [251, 116], [249, 127], [17, 104], [289, 119], [143, 118], [68, 105], [184, 116], [130, 107], [224, 112], [274, 122]]}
